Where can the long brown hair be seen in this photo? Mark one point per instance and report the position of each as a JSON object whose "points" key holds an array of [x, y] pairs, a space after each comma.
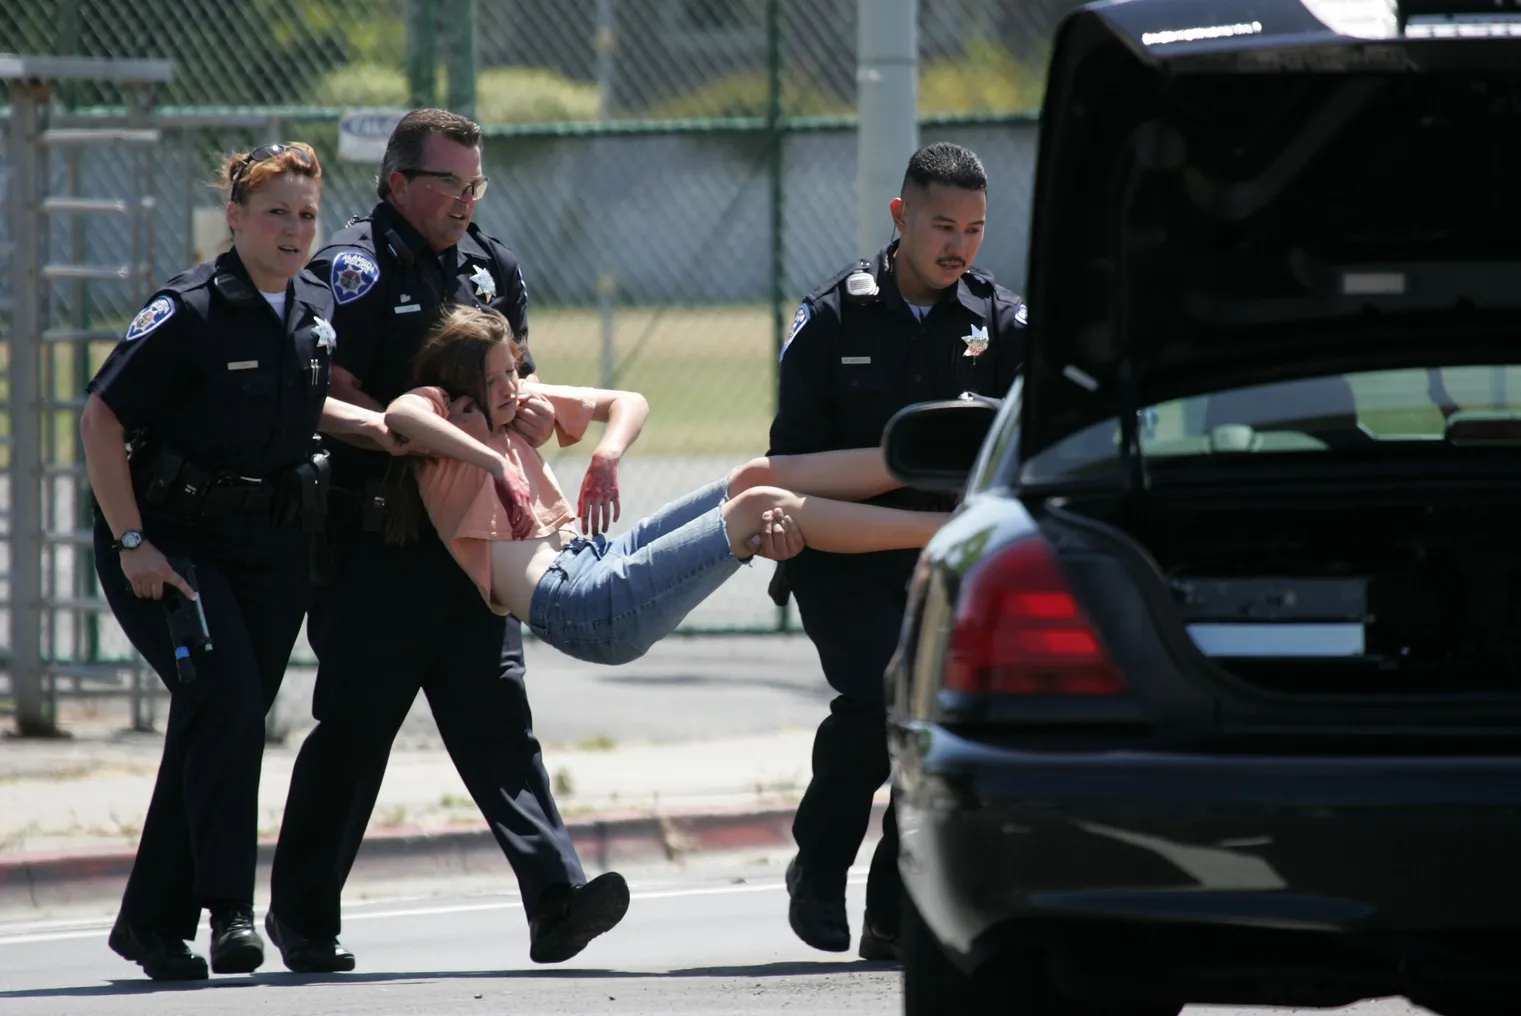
{"points": [[453, 358]]}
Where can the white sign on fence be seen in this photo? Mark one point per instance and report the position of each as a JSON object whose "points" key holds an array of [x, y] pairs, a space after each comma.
{"points": [[362, 133]]}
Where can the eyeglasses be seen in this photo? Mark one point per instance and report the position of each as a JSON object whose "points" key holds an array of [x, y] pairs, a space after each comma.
{"points": [[450, 184], [262, 154]]}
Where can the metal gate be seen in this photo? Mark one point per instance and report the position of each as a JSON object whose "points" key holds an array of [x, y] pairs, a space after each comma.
{"points": [[51, 598]]}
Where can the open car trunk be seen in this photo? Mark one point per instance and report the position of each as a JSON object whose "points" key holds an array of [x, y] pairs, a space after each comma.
{"points": [[1397, 594]]}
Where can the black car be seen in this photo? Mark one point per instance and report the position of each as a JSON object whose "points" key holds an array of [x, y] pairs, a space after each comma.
{"points": [[1211, 689]]}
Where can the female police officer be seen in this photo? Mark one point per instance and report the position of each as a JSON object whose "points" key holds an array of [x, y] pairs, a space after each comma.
{"points": [[198, 437]]}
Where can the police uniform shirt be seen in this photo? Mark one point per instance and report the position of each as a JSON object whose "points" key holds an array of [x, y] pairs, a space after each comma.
{"points": [[207, 368], [852, 361], [389, 288]]}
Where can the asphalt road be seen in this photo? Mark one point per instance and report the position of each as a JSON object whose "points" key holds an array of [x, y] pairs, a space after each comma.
{"points": [[709, 939]]}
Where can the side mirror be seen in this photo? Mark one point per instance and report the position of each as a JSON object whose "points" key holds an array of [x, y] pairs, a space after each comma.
{"points": [[932, 446]]}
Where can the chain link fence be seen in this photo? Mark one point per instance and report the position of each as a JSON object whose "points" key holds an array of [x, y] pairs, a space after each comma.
{"points": [[674, 174]]}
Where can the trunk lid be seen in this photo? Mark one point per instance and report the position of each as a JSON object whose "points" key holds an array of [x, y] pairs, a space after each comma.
{"points": [[1236, 192]]}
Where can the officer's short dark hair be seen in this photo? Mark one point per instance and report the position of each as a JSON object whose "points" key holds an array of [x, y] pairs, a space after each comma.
{"points": [[408, 142], [945, 163]]}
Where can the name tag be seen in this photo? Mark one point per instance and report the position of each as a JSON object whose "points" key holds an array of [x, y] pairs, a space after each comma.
{"points": [[850, 360], [242, 364], [409, 308]]}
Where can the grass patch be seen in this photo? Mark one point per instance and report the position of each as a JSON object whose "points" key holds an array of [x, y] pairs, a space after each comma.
{"points": [[708, 372], [599, 743]]}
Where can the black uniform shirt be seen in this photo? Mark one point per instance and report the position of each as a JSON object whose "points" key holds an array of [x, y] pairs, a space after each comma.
{"points": [[208, 370], [853, 361], [389, 289]]}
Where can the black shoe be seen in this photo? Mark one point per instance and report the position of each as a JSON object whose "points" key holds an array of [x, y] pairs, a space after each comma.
{"points": [[304, 955], [236, 947], [162, 957], [568, 918], [878, 944], [817, 912]]}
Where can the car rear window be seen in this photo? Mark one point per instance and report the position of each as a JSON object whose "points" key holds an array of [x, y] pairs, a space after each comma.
{"points": [[1319, 414]]}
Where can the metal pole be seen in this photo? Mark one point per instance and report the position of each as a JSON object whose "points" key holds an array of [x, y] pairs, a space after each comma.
{"points": [[606, 43], [25, 465], [422, 44], [887, 76], [144, 240], [776, 140], [461, 54], [78, 315]]}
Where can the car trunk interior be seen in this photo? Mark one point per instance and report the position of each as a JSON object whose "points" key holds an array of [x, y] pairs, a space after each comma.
{"points": [[1391, 594]]}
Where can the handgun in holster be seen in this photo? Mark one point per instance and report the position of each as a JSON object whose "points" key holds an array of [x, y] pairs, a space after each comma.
{"points": [[303, 493], [187, 622], [159, 470]]}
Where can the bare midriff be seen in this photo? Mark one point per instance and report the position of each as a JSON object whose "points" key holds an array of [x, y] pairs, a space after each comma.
{"points": [[518, 565]]}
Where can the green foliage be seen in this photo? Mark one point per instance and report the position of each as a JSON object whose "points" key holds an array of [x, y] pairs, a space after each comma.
{"points": [[503, 94], [375, 32], [533, 95], [985, 79], [748, 94], [361, 84]]}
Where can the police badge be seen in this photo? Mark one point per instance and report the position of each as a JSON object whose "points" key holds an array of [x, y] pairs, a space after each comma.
{"points": [[324, 333], [976, 341], [485, 285]]}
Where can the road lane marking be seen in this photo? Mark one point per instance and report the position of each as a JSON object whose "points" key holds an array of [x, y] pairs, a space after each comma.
{"points": [[375, 915]]}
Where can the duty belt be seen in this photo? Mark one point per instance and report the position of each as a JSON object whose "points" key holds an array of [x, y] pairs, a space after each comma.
{"points": [[169, 482]]}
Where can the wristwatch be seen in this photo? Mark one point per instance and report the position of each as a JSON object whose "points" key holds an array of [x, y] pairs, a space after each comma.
{"points": [[130, 540]]}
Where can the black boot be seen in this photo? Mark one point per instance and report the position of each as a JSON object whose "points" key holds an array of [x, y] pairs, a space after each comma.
{"points": [[569, 917], [236, 947], [304, 955], [817, 909], [878, 942], [162, 957]]}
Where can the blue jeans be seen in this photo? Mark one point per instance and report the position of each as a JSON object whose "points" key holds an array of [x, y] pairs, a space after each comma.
{"points": [[609, 601]]}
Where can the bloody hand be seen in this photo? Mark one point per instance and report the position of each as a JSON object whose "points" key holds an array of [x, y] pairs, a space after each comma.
{"points": [[513, 493], [599, 507]]}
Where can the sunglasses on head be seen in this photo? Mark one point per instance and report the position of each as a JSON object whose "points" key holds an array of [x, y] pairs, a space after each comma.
{"points": [[262, 154]]}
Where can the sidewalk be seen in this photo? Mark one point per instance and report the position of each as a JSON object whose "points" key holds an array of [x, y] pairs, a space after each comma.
{"points": [[704, 744], [91, 796]]}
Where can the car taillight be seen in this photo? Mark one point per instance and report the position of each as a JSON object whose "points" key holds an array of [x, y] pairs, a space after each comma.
{"points": [[1018, 631]]}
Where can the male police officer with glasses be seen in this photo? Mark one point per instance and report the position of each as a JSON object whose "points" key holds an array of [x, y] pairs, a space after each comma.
{"points": [[392, 620]]}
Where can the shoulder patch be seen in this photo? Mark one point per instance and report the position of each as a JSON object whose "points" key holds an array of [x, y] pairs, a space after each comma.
{"points": [[799, 321], [354, 273], [1022, 314], [802, 317], [158, 311]]}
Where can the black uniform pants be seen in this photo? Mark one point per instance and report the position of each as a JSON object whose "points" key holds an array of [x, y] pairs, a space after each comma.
{"points": [[396, 620], [852, 609], [198, 842]]}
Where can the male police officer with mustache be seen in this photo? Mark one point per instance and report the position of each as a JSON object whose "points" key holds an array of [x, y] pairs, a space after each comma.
{"points": [[916, 323]]}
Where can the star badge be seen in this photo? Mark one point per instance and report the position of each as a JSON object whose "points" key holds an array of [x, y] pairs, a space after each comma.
{"points": [[976, 341], [485, 285], [325, 334]]}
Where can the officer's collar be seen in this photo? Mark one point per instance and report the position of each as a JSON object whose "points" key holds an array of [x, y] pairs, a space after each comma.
{"points": [[388, 218], [240, 290], [887, 282]]}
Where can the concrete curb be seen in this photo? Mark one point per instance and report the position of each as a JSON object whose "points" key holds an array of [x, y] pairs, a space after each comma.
{"points": [[42, 880]]}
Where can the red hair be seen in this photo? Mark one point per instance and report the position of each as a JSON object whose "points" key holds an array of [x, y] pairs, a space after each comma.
{"points": [[243, 173]]}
